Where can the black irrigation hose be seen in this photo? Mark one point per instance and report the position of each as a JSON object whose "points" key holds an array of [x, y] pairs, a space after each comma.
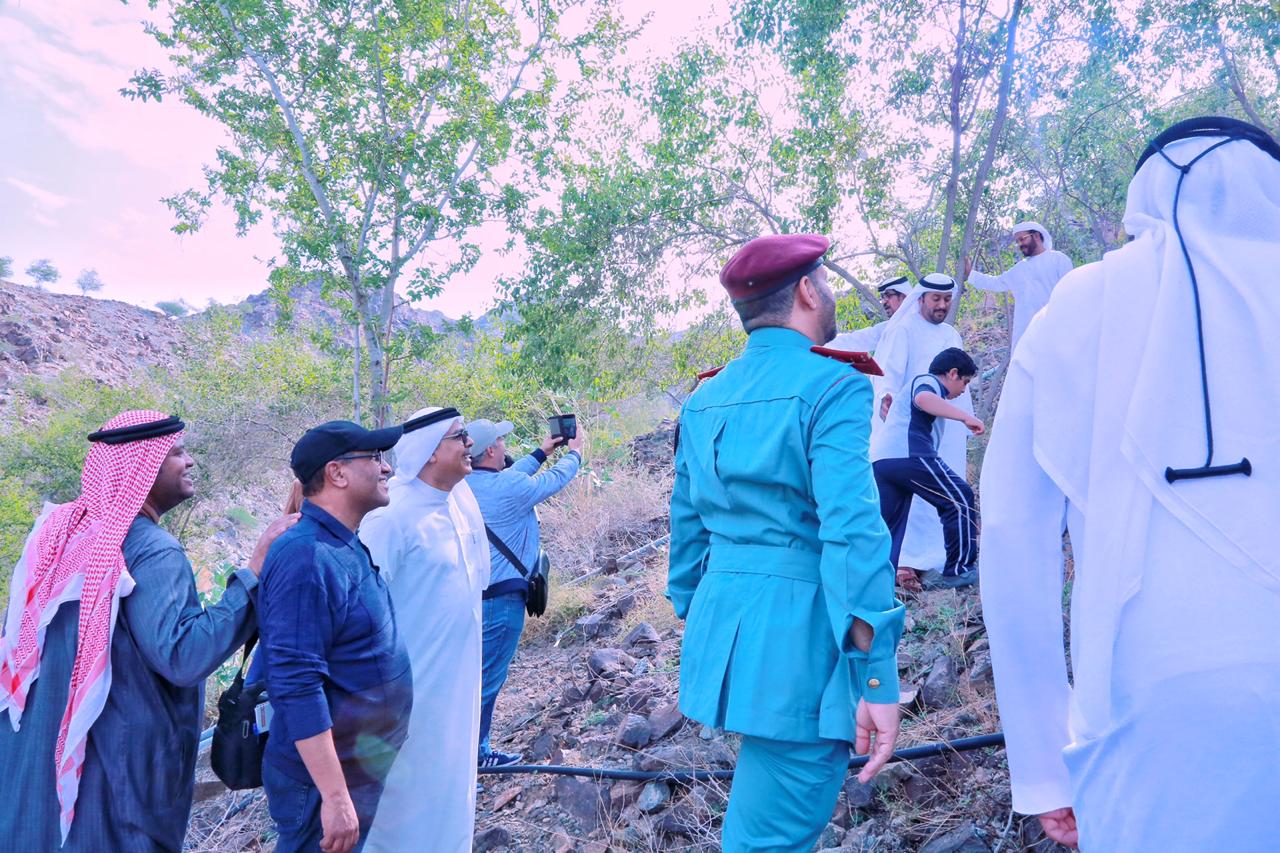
{"points": [[928, 750]]}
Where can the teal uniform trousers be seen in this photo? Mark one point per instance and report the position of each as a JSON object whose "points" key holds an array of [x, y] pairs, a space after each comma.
{"points": [[777, 545]]}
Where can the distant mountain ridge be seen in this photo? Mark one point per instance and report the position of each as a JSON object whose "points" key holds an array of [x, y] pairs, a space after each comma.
{"points": [[44, 333]]}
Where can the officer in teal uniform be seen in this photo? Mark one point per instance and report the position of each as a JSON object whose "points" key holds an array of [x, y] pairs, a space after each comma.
{"points": [[779, 557]]}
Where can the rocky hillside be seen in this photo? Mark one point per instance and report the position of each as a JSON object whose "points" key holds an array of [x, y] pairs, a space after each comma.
{"points": [[43, 333]]}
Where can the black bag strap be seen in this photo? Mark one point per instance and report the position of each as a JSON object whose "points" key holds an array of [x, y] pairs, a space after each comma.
{"points": [[506, 552], [244, 661]]}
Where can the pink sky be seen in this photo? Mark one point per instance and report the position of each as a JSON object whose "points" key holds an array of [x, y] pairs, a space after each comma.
{"points": [[85, 169]]}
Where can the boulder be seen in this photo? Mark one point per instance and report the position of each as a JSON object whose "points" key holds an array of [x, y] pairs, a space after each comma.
{"points": [[609, 664], [859, 796], [939, 690], [642, 639], [491, 839], [592, 626], [542, 748], [654, 797], [665, 720], [633, 732], [980, 673], [586, 800], [963, 839]]}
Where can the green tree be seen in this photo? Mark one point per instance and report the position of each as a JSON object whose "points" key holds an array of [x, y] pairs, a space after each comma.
{"points": [[6, 266], [174, 308], [89, 282], [43, 272], [371, 130]]}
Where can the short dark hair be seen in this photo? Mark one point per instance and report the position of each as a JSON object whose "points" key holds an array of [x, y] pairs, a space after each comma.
{"points": [[771, 310], [953, 357], [312, 487]]}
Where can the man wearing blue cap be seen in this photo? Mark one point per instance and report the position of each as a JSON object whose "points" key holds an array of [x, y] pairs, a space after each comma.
{"points": [[337, 669], [780, 559]]}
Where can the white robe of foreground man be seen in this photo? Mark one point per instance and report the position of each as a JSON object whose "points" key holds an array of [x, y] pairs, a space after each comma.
{"points": [[431, 548], [905, 350], [1169, 741]]}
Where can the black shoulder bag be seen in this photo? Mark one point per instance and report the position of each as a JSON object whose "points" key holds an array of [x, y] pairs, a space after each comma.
{"points": [[535, 603], [236, 756]]}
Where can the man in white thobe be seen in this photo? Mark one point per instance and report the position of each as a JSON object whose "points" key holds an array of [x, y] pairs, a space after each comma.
{"points": [[892, 292], [916, 333], [1030, 280], [1168, 740], [430, 546]]}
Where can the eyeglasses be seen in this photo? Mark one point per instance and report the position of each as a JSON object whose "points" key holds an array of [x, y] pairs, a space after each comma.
{"points": [[460, 435], [376, 456]]}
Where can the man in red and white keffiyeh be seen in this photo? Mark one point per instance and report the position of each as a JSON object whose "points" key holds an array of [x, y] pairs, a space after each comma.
{"points": [[100, 583]]}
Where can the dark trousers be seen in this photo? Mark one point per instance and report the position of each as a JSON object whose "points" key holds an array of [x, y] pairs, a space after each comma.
{"points": [[929, 477], [295, 808]]}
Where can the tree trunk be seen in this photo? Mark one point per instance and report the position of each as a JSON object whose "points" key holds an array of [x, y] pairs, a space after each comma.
{"points": [[989, 155], [957, 131], [355, 372]]}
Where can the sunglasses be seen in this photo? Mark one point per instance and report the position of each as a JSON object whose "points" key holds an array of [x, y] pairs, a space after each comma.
{"points": [[460, 435], [375, 456]]}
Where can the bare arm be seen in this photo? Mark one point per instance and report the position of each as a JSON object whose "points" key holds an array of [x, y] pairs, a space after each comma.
{"points": [[927, 401], [338, 819]]}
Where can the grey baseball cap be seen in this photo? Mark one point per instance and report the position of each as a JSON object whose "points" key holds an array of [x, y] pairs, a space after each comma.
{"points": [[484, 433]]}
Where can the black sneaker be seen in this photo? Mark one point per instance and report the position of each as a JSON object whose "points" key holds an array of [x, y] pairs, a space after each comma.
{"points": [[498, 759], [938, 580]]}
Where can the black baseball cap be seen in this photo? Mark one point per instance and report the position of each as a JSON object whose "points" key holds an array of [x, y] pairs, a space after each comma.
{"points": [[322, 444]]}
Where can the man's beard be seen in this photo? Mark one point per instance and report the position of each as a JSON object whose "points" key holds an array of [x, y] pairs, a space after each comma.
{"points": [[829, 319], [937, 315]]}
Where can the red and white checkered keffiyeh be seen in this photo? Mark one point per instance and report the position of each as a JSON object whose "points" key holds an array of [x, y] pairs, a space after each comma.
{"points": [[75, 553]]}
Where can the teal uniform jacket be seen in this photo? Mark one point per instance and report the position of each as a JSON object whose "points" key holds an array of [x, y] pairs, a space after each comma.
{"points": [[777, 544]]}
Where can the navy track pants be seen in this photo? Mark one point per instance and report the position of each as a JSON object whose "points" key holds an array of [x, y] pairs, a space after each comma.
{"points": [[934, 481]]}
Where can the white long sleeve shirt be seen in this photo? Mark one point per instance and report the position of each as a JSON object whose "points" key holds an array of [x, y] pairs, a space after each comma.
{"points": [[1030, 280]]}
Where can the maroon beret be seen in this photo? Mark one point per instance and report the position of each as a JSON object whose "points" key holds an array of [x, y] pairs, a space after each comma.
{"points": [[770, 263]]}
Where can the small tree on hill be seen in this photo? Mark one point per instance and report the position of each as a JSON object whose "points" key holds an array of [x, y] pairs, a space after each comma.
{"points": [[175, 308], [88, 281], [43, 272], [6, 266]]}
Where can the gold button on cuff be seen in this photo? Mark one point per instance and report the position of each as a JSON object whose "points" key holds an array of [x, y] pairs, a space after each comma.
{"points": [[873, 683]]}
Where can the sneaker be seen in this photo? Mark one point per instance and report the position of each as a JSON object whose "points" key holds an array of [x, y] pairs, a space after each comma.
{"points": [[938, 580], [498, 759]]}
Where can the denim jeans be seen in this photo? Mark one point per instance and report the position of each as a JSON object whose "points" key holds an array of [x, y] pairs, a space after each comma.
{"points": [[503, 622], [295, 808]]}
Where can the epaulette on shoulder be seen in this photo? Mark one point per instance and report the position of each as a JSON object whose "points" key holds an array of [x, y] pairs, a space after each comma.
{"points": [[860, 361]]}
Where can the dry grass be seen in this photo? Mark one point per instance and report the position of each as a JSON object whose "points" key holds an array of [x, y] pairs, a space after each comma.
{"points": [[594, 520], [603, 515]]}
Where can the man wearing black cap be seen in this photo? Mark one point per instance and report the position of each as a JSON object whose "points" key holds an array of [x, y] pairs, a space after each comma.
{"points": [[337, 670]]}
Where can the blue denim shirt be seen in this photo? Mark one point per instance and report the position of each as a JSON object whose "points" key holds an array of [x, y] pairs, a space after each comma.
{"points": [[507, 500], [334, 658]]}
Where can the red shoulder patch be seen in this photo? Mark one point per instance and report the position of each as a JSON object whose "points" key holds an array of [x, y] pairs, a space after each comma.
{"points": [[707, 374], [861, 361]]}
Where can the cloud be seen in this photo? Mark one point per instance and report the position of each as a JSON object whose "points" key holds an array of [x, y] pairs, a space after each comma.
{"points": [[45, 200]]}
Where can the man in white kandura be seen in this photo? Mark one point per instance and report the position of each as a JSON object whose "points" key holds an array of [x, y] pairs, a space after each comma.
{"points": [[1031, 279], [1130, 410], [430, 546], [916, 333], [892, 292]]}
